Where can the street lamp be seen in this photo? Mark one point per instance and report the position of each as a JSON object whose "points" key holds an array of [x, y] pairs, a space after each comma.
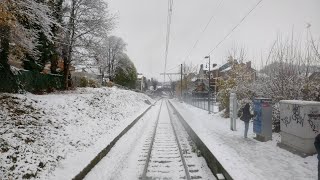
{"points": [[208, 57]]}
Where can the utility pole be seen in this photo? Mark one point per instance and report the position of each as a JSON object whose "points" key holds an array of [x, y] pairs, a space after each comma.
{"points": [[181, 82], [209, 92]]}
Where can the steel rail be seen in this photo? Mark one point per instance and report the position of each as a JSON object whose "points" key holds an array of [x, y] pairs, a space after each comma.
{"points": [[179, 145], [145, 170]]}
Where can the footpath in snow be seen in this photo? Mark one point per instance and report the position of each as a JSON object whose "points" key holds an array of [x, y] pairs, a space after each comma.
{"points": [[55, 136], [246, 159]]}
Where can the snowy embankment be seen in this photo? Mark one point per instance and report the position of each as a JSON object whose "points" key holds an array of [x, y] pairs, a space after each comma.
{"points": [[246, 159], [54, 136]]}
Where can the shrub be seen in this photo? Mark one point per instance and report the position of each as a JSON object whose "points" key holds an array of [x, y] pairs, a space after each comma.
{"points": [[92, 83], [83, 82]]}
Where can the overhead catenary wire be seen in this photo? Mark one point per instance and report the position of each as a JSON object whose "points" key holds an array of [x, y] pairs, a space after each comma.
{"points": [[173, 68], [213, 17], [169, 20], [235, 27]]}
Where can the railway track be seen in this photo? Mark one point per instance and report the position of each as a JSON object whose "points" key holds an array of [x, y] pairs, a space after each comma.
{"points": [[171, 151], [160, 148]]}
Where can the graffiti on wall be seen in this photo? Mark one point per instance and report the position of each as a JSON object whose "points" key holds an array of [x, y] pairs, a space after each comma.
{"points": [[295, 117], [312, 118]]}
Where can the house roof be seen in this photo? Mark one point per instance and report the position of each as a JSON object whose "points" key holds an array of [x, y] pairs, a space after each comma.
{"points": [[315, 76]]}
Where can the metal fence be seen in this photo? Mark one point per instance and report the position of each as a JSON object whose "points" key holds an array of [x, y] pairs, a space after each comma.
{"points": [[31, 81], [201, 100]]}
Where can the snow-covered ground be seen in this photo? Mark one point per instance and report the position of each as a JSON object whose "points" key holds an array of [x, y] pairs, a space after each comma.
{"points": [[55, 136], [246, 159], [127, 159]]}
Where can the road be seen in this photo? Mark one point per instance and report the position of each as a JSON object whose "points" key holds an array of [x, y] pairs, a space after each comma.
{"points": [[156, 147]]}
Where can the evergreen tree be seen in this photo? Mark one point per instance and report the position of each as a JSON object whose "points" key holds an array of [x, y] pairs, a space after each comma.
{"points": [[125, 72]]}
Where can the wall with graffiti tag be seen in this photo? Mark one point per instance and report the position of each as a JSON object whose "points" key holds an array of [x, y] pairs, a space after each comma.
{"points": [[299, 122]]}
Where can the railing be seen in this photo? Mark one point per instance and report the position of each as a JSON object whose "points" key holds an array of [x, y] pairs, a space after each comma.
{"points": [[200, 100]]}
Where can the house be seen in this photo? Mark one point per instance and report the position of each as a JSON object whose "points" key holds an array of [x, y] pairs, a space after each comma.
{"points": [[241, 71], [141, 83], [315, 77], [231, 69], [89, 72]]}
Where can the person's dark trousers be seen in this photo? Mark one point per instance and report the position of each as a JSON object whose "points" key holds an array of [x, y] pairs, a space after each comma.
{"points": [[317, 146]]}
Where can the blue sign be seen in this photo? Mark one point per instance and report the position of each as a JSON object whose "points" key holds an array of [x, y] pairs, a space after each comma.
{"points": [[257, 122], [259, 104]]}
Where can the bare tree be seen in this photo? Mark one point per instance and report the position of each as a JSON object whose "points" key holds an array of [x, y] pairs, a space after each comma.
{"points": [[287, 73], [238, 53], [116, 46], [88, 22], [106, 54], [189, 71]]}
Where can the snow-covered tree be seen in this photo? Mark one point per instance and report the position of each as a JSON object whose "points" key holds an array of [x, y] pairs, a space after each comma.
{"points": [[21, 22], [87, 23], [189, 72], [125, 72], [107, 53]]}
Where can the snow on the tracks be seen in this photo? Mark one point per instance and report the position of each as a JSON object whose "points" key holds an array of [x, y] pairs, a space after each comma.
{"points": [[56, 135], [246, 159], [128, 158]]}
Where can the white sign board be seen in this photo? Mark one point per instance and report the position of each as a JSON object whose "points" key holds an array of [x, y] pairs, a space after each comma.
{"points": [[233, 111]]}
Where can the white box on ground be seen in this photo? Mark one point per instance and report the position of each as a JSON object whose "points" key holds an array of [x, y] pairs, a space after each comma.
{"points": [[299, 124], [233, 111]]}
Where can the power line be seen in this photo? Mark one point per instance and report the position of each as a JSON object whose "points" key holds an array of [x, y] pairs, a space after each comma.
{"points": [[173, 68], [204, 29], [234, 28], [169, 20]]}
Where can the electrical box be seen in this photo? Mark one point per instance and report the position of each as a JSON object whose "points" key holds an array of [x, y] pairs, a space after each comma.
{"points": [[262, 122], [299, 124]]}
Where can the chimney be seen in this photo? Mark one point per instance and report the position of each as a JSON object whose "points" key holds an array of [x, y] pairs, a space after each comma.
{"points": [[248, 64]]}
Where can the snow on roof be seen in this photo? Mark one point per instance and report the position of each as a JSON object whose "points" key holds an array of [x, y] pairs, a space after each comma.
{"points": [[206, 67], [92, 69], [227, 69]]}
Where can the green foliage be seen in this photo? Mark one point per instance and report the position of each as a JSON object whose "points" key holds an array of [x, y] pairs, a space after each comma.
{"points": [[125, 72], [32, 65], [83, 82], [30, 81]]}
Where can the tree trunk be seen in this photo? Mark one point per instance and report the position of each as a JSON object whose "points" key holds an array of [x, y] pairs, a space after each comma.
{"points": [[4, 40], [67, 50], [5, 71]]}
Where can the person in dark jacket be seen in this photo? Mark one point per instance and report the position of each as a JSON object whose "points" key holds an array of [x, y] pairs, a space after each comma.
{"points": [[246, 116], [317, 145]]}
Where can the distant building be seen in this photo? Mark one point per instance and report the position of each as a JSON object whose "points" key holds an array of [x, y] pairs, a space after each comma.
{"points": [[231, 69], [315, 77], [240, 71], [141, 83]]}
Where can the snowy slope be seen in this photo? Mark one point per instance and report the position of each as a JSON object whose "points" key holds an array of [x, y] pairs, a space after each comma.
{"points": [[246, 159], [54, 136]]}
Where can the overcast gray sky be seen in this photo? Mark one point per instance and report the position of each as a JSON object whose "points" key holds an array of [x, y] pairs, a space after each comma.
{"points": [[142, 24]]}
